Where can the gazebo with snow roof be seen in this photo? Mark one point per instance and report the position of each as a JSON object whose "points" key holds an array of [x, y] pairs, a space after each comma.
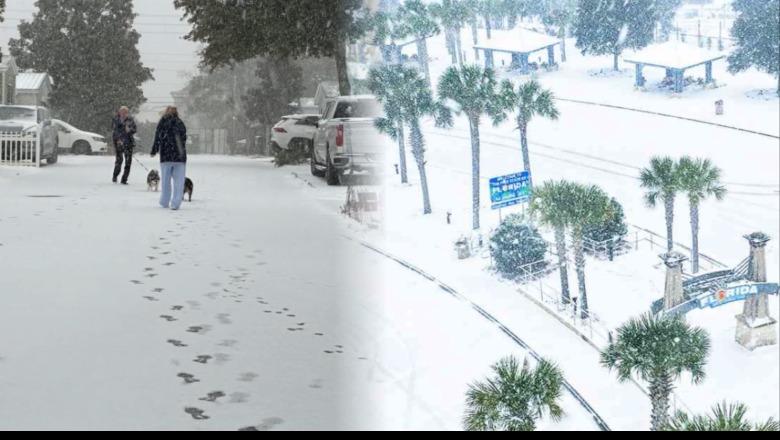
{"points": [[675, 58], [521, 44]]}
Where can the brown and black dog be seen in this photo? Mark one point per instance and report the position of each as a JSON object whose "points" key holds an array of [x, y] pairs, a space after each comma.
{"points": [[189, 187]]}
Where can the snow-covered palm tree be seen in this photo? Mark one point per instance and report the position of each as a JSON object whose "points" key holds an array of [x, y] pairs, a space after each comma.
{"points": [[409, 99], [699, 179], [724, 417], [452, 15], [586, 206], [549, 206], [529, 100], [392, 124], [661, 181], [659, 350], [388, 30], [418, 21], [474, 91], [515, 398]]}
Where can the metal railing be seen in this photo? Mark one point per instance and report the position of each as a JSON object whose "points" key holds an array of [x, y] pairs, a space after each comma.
{"points": [[20, 149]]}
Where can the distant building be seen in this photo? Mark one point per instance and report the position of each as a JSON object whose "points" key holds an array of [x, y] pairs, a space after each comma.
{"points": [[33, 88], [8, 72]]}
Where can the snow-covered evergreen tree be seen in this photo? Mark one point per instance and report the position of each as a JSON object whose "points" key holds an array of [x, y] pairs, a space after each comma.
{"points": [[605, 27], [407, 99], [560, 14], [515, 244], [234, 31], [613, 230], [757, 35], [659, 351], [515, 398], [473, 91], [90, 49]]}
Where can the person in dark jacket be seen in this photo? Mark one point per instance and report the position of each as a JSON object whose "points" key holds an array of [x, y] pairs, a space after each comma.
{"points": [[170, 140], [124, 129]]}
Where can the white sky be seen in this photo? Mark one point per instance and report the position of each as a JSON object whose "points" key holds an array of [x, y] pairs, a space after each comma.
{"points": [[162, 46]]}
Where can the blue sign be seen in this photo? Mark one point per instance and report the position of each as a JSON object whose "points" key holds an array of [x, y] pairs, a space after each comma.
{"points": [[510, 190], [721, 297], [736, 293]]}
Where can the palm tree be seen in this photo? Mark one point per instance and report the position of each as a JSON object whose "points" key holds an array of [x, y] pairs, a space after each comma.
{"points": [[659, 350], [515, 398], [549, 206], [473, 16], [410, 99], [392, 124], [530, 100], [699, 179], [586, 206], [388, 29], [453, 15], [725, 417], [473, 89], [661, 181], [419, 22]]}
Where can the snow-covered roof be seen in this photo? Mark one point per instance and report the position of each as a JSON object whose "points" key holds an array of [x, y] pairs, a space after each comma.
{"points": [[31, 80], [517, 40], [673, 54]]}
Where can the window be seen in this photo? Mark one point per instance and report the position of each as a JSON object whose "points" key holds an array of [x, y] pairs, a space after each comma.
{"points": [[365, 108], [16, 113]]}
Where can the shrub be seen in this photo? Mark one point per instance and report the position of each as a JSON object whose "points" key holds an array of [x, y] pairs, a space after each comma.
{"points": [[516, 244], [614, 229]]}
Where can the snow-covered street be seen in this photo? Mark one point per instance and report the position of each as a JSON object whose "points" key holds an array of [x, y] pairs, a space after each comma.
{"points": [[250, 307]]}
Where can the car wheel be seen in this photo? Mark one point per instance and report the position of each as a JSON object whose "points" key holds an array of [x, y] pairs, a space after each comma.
{"points": [[316, 171], [331, 174], [82, 147]]}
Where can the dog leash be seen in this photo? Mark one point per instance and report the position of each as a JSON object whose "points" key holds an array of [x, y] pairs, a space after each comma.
{"points": [[140, 163]]}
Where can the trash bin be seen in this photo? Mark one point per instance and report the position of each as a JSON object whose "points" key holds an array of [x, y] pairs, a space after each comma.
{"points": [[719, 107], [464, 251]]}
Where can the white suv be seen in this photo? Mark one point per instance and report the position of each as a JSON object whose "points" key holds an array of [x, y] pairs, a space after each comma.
{"points": [[294, 131]]}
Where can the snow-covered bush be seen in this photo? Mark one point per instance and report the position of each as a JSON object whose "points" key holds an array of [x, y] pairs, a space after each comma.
{"points": [[607, 237], [516, 244]]}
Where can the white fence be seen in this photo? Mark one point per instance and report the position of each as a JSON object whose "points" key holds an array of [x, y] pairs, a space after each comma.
{"points": [[20, 149]]}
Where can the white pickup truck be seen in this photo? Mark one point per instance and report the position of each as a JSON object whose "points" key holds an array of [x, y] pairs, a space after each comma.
{"points": [[347, 139]]}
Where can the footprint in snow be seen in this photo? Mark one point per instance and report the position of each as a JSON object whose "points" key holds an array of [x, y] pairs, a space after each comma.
{"points": [[188, 378], [176, 343], [197, 414], [213, 396]]}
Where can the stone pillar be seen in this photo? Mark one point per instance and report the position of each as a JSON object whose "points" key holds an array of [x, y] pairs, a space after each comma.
{"points": [[673, 291], [755, 328]]}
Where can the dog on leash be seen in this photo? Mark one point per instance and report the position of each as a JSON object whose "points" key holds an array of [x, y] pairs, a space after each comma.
{"points": [[189, 187], [153, 180]]}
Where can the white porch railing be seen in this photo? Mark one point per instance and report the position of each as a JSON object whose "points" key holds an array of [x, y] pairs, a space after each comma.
{"points": [[20, 149]]}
